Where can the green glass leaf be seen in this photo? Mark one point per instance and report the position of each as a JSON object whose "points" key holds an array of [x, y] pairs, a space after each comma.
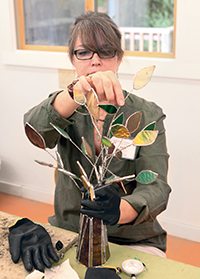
{"points": [[34, 137], [61, 131], [146, 177], [109, 108], [151, 126], [133, 121], [143, 77], [119, 119], [145, 137], [106, 142], [87, 150], [120, 131]]}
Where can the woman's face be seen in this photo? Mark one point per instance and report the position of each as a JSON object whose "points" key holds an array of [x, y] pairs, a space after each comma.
{"points": [[95, 64]]}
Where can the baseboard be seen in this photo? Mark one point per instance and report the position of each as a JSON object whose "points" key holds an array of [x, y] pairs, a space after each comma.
{"points": [[183, 230], [24, 192]]}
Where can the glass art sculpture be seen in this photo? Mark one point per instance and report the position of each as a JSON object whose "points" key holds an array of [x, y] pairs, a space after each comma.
{"points": [[93, 248]]}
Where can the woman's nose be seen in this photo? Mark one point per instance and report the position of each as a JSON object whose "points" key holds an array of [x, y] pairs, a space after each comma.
{"points": [[96, 60]]}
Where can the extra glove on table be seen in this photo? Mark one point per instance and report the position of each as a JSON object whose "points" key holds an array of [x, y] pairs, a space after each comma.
{"points": [[32, 243]]}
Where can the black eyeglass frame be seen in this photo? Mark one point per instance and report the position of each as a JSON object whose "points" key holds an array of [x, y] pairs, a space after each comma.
{"points": [[75, 52]]}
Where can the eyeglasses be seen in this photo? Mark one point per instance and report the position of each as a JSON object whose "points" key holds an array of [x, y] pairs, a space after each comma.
{"points": [[85, 54]]}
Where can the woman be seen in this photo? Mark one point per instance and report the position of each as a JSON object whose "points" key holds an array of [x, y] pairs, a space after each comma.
{"points": [[95, 52]]}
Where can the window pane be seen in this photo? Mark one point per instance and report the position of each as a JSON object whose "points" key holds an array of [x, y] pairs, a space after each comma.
{"points": [[146, 25], [47, 22]]}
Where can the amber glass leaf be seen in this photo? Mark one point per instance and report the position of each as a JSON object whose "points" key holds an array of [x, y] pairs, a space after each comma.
{"points": [[142, 77], [106, 142], [146, 177], [87, 150], [92, 104], [151, 126], [119, 119], [120, 131], [109, 108], [61, 131], [34, 137], [133, 121], [79, 97], [145, 137]]}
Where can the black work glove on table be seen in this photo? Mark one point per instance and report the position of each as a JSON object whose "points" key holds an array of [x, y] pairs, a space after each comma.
{"points": [[32, 243], [101, 273], [105, 206]]}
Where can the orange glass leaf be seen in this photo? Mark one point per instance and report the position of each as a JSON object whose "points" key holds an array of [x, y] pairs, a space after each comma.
{"points": [[120, 131], [34, 137], [145, 137], [133, 121], [79, 97], [143, 77], [92, 104]]}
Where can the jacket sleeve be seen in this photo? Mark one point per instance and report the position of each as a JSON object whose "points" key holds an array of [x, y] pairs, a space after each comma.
{"points": [[40, 118], [150, 200]]}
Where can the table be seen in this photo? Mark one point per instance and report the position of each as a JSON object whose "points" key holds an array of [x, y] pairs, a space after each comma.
{"points": [[157, 267]]}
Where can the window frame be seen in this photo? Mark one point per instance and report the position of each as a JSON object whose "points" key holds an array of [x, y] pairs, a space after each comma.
{"points": [[89, 5]]}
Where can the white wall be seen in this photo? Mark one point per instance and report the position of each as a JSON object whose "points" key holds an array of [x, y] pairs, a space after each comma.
{"points": [[26, 79]]}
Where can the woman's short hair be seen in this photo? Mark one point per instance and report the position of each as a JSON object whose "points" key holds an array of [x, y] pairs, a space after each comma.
{"points": [[95, 30]]}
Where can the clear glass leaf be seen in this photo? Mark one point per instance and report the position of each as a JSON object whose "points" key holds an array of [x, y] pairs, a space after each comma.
{"points": [[92, 104], [87, 150], [133, 121], [145, 137], [143, 77], [120, 131], [78, 96], [146, 177], [44, 164], [34, 137], [109, 108], [81, 169], [61, 131]]}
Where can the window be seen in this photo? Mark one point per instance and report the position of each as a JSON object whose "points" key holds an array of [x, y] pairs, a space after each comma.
{"points": [[147, 26]]}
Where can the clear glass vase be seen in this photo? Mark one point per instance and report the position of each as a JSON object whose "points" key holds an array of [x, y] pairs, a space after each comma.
{"points": [[93, 248]]}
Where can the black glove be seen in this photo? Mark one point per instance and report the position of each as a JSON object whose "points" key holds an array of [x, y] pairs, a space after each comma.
{"points": [[99, 273], [32, 243], [105, 206]]}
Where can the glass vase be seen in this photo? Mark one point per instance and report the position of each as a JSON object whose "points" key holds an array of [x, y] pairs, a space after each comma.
{"points": [[93, 248]]}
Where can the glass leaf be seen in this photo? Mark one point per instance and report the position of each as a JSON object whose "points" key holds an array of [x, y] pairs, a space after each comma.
{"points": [[119, 119], [34, 137], [133, 121], [86, 148], [78, 96], [151, 126], [120, 131], [61, 131], [44, 164], [109, 108], [81, 169], [143, 77], [92, 104], [68, 173], [145, 137], [146, 177], [106, 142]]}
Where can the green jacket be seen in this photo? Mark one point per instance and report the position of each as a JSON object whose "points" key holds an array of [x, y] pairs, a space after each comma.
{"points": [[148, 200]]}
